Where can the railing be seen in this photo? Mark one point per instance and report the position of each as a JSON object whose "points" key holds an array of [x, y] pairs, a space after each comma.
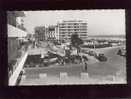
{"points": [[13, 78]]}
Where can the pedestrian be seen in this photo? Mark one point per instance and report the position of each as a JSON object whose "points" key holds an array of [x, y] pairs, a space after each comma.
{"points": [[85, 63], [84, 60]]}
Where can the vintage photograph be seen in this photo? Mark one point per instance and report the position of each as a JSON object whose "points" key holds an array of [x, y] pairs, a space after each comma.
{"points": [[66, 47]]}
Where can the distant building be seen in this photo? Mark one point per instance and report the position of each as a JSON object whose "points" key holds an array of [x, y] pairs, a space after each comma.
{"points": [[67, 28], [30, 37], [57, 32], [52, 33]]}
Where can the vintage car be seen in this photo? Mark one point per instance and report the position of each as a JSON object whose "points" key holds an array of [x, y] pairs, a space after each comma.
{"points": [[51, 58], [101, 57], [122, 52]]}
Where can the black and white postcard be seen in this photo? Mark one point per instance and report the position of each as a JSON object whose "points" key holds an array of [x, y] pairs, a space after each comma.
{"points": [[66, 47]]}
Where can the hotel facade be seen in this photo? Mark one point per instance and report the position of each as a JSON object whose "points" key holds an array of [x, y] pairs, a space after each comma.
{"points": [[67, 28], [52, 33]]}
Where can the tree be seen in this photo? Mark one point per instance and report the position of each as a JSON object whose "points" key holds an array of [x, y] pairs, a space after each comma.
{"points": [[76, 42], [40, 33]]}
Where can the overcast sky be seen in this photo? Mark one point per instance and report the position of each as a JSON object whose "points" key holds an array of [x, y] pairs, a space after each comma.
{"points": [[100, 22]]}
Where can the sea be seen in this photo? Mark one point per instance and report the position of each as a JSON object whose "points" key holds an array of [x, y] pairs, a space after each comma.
{"points": [[108, 37]]}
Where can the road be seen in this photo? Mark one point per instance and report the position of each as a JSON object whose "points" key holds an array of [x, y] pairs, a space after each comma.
{"points": [[115, 63]]}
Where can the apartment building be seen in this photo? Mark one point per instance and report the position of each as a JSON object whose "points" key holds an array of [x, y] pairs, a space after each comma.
{"points": [[67, 28]]}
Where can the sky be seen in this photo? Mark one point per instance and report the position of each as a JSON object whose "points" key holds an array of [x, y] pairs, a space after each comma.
{"points": [[100, 22]]}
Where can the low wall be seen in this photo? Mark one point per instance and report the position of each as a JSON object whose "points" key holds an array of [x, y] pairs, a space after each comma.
{"points": [[15, 75]]}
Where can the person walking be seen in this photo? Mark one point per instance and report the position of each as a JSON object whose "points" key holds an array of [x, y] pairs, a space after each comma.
{"points": [[85, 63], [84, 60]]}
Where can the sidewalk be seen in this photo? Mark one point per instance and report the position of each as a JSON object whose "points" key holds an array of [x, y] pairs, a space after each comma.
{"points": [[71, 80]]}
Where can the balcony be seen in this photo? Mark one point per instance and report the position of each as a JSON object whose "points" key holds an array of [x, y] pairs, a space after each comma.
{"points": [[19, 51], [15, 32]]}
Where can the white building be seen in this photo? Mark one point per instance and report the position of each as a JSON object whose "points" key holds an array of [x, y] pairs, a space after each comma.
{"points": [[52, 33], [67, 28], [57, 32]]}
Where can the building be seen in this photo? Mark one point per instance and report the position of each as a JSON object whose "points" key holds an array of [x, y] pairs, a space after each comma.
{"points": [[15, 34], [16, 46], [57, 32], [52, 33], [15, 18], [62, 31], [40, 32], [67, 28]]}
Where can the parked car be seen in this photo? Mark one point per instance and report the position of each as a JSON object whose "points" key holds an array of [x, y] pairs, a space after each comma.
{"points": [[101, 57], [122, 52], [48, 62], [119, 52]]}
